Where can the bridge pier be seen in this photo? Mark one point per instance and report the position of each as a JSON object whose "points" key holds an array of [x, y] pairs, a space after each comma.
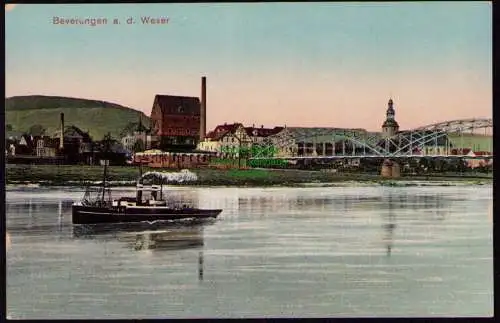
{"points": [[390, 169]]}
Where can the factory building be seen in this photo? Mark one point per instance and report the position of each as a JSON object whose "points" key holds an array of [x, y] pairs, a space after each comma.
{"points": [[178, 122]]}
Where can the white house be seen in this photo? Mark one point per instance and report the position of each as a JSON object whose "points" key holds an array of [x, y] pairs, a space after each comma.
{"points": [[129, 140], [226, 139], [229, 139], [208, 144]]}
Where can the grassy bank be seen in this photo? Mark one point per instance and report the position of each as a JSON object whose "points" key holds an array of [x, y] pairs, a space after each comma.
{"points": [[80, 175]]}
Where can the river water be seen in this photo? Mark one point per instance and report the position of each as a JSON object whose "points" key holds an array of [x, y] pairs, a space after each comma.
{"points": [[278, 252]]}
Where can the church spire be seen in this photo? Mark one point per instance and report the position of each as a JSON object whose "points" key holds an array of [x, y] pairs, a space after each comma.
{"points": [[390, 110], [390, 126]]}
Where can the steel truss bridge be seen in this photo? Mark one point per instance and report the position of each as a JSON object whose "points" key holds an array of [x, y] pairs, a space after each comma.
{"points": [[450, 139]]}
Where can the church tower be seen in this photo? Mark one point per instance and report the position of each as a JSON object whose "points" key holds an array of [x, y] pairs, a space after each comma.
{"points": [[390, 126]]}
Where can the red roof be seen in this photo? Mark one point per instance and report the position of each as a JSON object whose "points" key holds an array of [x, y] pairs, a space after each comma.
{"points": [[262, 132], [227, 127], [212, 135], [184, 105], [221, 130]]}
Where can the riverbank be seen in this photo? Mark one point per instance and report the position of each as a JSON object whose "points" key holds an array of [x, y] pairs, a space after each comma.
{"points": [[71, 175]]}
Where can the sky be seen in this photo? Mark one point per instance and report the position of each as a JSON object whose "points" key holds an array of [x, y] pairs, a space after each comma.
{"points": [[273, 64]]}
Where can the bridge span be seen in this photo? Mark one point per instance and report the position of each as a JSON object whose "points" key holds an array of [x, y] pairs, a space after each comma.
{"points": [[467, 138]]}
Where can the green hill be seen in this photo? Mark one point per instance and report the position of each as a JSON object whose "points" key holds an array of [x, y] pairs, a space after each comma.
{"points": [[97, 117]]}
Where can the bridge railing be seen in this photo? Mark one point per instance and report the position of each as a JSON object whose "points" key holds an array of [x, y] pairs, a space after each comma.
{"points": [[356, 143]]}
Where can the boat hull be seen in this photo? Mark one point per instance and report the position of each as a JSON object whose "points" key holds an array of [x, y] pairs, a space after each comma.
{"points": [[96, 215]]}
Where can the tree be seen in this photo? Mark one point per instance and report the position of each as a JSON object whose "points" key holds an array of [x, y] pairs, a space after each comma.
{"points": [[107, 145], [139, 146], [128, 129], [8, 127], [36, 130]]}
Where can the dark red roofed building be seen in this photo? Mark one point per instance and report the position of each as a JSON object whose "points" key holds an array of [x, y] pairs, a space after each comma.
{"points": [[215, 136], [222, 129], [262, 132], [175, 122], [253, 133]]}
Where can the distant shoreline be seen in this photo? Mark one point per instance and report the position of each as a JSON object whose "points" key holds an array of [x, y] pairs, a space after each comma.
{"points": [[121, 176]]}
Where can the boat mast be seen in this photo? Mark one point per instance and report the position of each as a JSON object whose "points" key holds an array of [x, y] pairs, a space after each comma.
{"points": [[107, 148], [138, 191], [161, 189], [104, 179]]}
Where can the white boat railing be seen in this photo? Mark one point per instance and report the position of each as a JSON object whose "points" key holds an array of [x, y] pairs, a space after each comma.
{"points": [[141, 187]]}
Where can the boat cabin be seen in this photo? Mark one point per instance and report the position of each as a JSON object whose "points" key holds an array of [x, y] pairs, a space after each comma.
{"points": [[149, 192]]}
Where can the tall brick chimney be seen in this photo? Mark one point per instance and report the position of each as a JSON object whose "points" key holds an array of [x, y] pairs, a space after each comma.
{"points": [[203, 108], [61, 142]]}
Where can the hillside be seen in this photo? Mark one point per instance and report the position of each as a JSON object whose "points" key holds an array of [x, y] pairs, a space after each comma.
{"points": [[97, 117]]}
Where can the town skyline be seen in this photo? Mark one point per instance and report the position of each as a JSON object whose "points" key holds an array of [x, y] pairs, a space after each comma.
{"points": [[338, 67]]}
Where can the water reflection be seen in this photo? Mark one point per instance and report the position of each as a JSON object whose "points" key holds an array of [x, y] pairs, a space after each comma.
{"points": [[347, 206], [31, 217], [490, 211], [386, 251], [160, 238], [347, 201], [201, 260], [145, 236], [60, 216], [164, 240], [389, 225], [7, 241], [388, 204]]}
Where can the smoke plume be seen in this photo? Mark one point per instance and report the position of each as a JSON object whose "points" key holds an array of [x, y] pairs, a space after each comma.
{"points": [[174, 177]]}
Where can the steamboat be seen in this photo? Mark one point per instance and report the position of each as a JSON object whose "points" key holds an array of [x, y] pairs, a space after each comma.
{"points": [[148, 205]]}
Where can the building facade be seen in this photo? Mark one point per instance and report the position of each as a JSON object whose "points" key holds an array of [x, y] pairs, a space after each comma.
{"points": [[137, 139], [234, 141], [228, 140], [210, 144], [47, 147], [173, 160], [259, 135], [175, 122]]}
